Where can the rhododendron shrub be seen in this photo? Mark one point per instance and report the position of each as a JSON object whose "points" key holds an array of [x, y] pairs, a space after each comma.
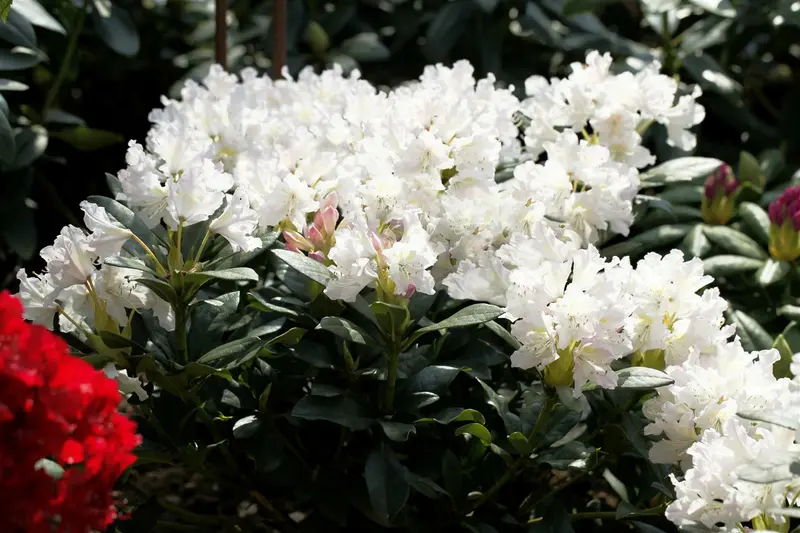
{"points": [[63, 443], [355, 310]]}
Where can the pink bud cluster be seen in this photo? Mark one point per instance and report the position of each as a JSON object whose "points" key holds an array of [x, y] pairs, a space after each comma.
{"points": [[786, 207], [721, 183], [318, 237]]}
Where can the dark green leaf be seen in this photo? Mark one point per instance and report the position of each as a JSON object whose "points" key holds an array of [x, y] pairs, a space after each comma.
{"points": [[447, 26], [753, 336], [365, 47], [648, 240], [433, 379], [339, 410], [246, 427], [31, 144], [231, 352], [130, 220], [18, 31], [696, 244], [115, 28], [8, 148], [288, 337], [772, 162], [229, 274], [129, 262], [728, 265], [397, 431], [574, 7], [734, 241], [642, 378], [455, 414], [306, 266], [18, 58], [756, 220], [387, 483], [426, 486], [469, 316], [347, 330], [164, 290], [772, 271], [749, 170], [681, 169], [314, 354], [37, 15], [711, 76], [88, 139]]}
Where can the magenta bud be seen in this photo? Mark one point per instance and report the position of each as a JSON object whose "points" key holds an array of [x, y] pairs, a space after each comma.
{"points": [[721, 182], [315, 237], [375, 240], [785, 206], [296, 242], [319, 257]]}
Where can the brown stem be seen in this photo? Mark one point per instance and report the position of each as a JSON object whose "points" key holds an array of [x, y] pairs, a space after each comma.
{"points": [[221, 37], [279, 36]]}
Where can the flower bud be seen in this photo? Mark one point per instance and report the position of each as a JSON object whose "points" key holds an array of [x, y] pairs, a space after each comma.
{"points": [[315, 237], [319, 257], [296, 242], [325, 220], [410, 290], [719, 198], [784, 231]]}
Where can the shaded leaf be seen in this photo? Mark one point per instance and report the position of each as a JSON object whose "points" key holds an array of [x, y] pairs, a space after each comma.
{"points": [[347, 330], [772, 271], [115, 27], [727, 265], [642, 378], [338, 410], [734, 241], [88, 139], [308, 267], [387, 483], [680, 169]]}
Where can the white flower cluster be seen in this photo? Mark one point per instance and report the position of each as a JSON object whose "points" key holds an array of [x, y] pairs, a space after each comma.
{"points": [[393, 190], [728, 462], [609, 310]]}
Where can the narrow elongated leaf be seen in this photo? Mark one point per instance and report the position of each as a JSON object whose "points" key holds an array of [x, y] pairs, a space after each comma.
{"points": [[771, 417], [12, 85], [164, 290], [723, 8], [696, 244], [792, 312], [434, 379], [681, 169], [8, 148], [753, 335], [397, 431], [756, 220], [734, 241], [388, 485], [130, 220], [469, 316], [116, 28], [782, 367], [229, 274], [338, 410], [38, 16], [772, 271], [648, 240], [222, 355], [642, 378], [729, 265], [308, 267], [88, 139], [347, 330], [455, 414], [575, 7], [447, 26]]}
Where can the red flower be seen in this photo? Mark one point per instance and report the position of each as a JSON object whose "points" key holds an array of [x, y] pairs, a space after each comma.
{"points": [[56, 410]]}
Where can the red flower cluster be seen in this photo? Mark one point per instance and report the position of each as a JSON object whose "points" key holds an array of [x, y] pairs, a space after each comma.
{"points": [[63, 444]]}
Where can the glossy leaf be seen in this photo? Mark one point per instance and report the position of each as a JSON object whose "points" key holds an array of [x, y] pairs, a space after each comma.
{"points": [[734, 241], [642, 378], [388, 484]]}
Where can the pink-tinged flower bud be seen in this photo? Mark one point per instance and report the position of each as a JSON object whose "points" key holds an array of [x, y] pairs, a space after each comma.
{"points": [[331, 200], [325, 220], [719, 198], [315, 237], [784, 231], [410, 290], [319, 257], [296, 242]]}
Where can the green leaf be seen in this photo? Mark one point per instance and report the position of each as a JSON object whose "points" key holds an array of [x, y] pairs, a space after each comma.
{"points": [[88, 139], [115, 27], [728, 265], [757, 220], [59, 116], [397, 431], [575, 7], [476, 429], [469, 316], [426, 486], [648, 240], [792, 312], [680, 169], [347, 330], [5, 8], [771, 417], [392, 319], [38, 16], [682, 194], [711, 76], [734, 241], [31, 144], [753, 336], [162, 289], [696, 244], [520, 443], [18, 228], [388, 485], [487, 5], [288, 337], [772, 162], [129, 262], [503, 333], [750, 170], [365, 47], [772, 271], [258, 302], [722, 8], [246, 427], [304, 265], [455, 414], [449, 23], [229, 274], [231, 354], [18, 31], [338, 410], [8, 148], [642, 378], [19, 58], [782, 367], [313, 353], [12, 85], [435, 379]]}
